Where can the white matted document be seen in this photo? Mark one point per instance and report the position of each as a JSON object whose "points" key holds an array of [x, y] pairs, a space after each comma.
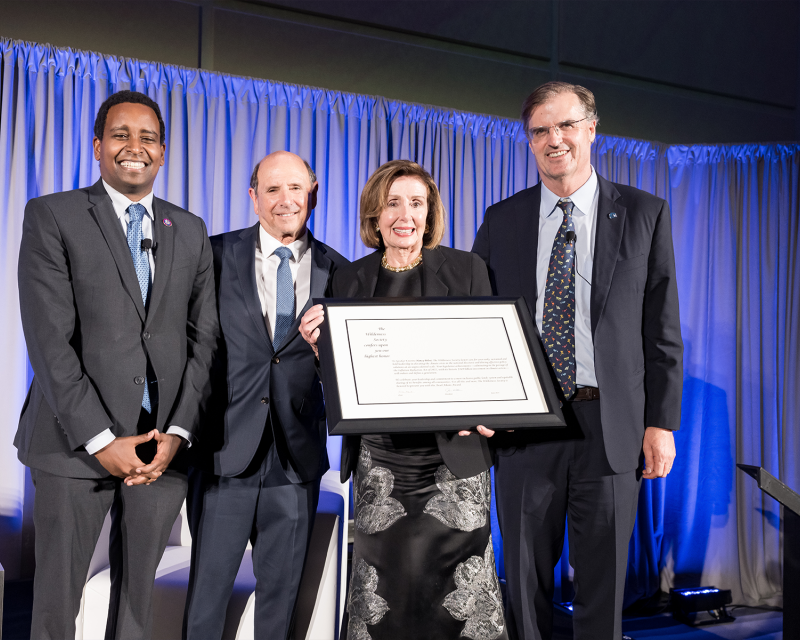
{"points": [[433, 364]]}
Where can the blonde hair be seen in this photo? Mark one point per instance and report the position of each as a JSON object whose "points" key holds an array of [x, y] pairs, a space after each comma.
{"points": [[375, 196]]}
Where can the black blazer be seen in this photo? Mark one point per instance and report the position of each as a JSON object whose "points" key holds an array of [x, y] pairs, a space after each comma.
{"points": [[634, 307], [89, 336], [445, 272], [251, 380]]}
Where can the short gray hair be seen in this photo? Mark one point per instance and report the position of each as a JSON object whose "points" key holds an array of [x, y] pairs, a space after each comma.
{"points": [[254, 176], [550, 90]]}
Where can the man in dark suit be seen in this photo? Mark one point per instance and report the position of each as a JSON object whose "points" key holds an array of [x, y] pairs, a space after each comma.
{"points": [[120, 342], [594, 261], [263, 442]]}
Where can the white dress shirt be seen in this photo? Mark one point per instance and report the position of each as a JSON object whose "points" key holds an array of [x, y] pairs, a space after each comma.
{"points": [[584, 217], [267, 273], [121, 204]]}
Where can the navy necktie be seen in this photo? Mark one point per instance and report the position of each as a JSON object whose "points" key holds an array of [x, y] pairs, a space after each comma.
{"points": [[558, 319], [141, 263], [284, 297]]}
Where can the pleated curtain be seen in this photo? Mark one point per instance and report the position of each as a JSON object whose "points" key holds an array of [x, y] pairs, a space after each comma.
{"points": [[736, 226]]}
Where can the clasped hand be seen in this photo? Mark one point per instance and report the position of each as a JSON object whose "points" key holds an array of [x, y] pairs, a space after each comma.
{"points": [[119, 457]]}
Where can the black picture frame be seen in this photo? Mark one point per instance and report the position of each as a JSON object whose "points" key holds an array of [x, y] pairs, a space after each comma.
{"points": [[338, 425]]}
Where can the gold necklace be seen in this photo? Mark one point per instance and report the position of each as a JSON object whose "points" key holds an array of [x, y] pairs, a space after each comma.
{"points": [[386, 265]]}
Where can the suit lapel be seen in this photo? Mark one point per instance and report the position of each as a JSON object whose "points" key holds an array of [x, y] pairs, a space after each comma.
{"points": [[432, 285], [103, 213], [367, 275], [526, 231], [608, 236], [244, 257], [164, 237], [320, 274]]}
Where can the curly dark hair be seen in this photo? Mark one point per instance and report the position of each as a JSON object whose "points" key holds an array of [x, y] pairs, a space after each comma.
{"points": [[121, 97]]}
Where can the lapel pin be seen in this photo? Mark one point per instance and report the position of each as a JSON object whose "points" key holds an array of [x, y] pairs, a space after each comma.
{"points": [[611, 216], [168, 223]]}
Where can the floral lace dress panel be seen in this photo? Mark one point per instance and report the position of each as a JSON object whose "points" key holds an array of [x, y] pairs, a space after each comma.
{"points": [[364, 606], [375, 510], [463, 504], [477, 598], [421, 564]]}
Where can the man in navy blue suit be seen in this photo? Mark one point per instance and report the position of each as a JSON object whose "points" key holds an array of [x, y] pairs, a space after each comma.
{"points": [[262, 445], [594, 261]]}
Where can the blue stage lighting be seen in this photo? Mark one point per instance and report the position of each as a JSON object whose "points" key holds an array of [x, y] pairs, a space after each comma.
{"points": [[700, 605]]}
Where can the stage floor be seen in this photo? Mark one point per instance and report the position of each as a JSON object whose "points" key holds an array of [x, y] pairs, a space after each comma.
{"points": [[750, 624]]}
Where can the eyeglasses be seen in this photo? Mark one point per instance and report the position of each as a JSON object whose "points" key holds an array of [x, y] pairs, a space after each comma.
{"points": [[564, 128]]}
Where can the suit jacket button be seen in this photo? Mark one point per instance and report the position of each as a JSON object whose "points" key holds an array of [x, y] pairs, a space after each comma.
{"points": [[276, 360], [146, 335], [139, 379], [265, 400]]}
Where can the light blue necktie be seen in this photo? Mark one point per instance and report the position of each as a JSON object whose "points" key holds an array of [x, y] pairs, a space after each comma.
{"points": [[284, 297], [141, 263]]}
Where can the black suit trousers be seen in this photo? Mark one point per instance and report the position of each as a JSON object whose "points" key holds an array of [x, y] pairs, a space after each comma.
{"points": [[550, 477]]}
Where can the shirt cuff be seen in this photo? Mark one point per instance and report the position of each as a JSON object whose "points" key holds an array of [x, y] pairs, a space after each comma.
{"points": [[183, 433], [102, 439]]}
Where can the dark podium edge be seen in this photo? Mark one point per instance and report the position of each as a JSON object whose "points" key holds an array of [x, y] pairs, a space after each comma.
{"points": [[790, 500]]}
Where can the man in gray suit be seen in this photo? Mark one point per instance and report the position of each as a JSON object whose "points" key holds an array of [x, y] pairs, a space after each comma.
{"points": [[119, 314], [595, 264]]}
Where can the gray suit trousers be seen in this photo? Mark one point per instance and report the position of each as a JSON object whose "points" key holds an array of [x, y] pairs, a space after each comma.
{"points": [[68, 516]]}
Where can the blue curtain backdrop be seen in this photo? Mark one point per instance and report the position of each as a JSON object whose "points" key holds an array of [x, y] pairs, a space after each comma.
{"points": [[736, 219]]}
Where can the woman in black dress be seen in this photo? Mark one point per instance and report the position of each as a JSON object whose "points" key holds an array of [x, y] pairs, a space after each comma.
{"points": [[423, 564]]}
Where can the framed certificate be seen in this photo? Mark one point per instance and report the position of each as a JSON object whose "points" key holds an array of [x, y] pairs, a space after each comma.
{"points": [[433, 364]]}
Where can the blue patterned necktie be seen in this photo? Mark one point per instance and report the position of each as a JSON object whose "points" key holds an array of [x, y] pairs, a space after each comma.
{"points": [[558, 319], [141, 263], [284, 297]]}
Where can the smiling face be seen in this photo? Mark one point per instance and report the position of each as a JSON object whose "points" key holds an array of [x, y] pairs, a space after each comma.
{"points": [[130, 153], [563, 158], [285, 196], [402, 222]]}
